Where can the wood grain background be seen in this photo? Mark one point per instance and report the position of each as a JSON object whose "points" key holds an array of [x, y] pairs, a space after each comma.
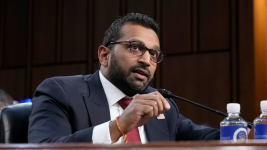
{"points": [[209, 47]]}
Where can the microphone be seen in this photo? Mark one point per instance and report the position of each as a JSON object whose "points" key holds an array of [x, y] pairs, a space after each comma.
{"points": [[168, 94]]}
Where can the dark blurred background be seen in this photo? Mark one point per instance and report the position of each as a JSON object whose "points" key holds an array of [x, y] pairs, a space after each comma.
{"points": [[212, 57]]}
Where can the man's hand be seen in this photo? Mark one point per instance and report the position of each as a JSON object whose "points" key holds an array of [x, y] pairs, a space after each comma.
{"points": [[139, 111]]}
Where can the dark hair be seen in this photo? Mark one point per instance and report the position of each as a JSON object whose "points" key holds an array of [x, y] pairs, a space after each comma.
{"points": [[112, 34], [5, 99]]}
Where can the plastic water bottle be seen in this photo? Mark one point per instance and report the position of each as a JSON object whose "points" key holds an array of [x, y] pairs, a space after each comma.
{"points": [[260, 123], [233, 127]]}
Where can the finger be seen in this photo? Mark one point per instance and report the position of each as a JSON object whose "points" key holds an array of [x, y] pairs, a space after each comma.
{"points": [[142, 107], [152, 100], [160, 102], [164, 101], [148, 111], [156, 96], [153, 104]]}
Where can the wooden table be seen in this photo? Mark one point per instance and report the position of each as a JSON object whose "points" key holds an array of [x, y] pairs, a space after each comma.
{"points": [[210, 145]]}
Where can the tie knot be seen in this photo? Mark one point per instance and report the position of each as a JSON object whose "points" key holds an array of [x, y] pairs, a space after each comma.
{"points": [[124, 102]]}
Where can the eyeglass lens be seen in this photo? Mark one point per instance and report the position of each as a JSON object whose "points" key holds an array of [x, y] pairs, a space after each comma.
{"points": [[138, 48]]}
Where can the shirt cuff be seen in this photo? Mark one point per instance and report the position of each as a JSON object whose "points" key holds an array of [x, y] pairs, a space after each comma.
{"points": [[101, 134]]}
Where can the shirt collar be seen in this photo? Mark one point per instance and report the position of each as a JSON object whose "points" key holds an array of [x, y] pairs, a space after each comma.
{"points": [[113, 94]]}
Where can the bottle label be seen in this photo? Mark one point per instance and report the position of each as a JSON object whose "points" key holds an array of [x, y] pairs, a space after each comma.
{"points": [[260, 131], [235, 133]]}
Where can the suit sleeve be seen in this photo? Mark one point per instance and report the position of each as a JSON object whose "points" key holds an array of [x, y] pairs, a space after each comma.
{"points": [[187, 130], [49, 120]]}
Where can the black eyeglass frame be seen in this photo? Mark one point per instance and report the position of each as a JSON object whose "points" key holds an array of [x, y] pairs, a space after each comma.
{"points": [[146, 49]]}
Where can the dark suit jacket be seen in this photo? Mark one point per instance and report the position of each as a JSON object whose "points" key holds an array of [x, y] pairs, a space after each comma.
{"points": [[66, 109]]}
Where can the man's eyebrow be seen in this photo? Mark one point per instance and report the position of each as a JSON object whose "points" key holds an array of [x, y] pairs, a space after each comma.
{"points": [[137, 41], [154, 47]]}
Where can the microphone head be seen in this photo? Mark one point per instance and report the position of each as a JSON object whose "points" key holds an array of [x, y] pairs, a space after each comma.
{"points": [[165, 93]]}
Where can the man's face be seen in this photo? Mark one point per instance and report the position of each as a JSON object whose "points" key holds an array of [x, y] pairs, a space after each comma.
{"points": [[128, 72]]}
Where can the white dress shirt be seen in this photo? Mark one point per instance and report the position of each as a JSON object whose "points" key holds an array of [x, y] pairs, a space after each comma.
{"points": [[101, 132]]}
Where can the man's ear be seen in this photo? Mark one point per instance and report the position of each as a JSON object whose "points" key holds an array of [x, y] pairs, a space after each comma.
{"points": [[103, 55]]}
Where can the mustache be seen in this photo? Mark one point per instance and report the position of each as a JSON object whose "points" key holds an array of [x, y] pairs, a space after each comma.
{"points": [[140, 66]]}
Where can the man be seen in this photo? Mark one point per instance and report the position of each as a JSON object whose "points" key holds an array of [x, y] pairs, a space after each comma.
{"points": [[90, 108]]}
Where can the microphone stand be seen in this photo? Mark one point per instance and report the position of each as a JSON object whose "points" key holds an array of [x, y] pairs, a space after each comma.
{"points": [[168, 94]]}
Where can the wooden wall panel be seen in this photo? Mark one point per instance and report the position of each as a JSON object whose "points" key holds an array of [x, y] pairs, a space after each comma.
{"points": [[260, 51], [176, 26], [96, 66], [246, 61], [204, 79], [15, 43], [214, 25], [13, 82], [140, 6], [75, 26], [2, 16], [41, 73], [44, 32], [105, 12], [1, 57]]}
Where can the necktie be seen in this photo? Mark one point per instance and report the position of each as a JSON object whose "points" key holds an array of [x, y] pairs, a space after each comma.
{"points": [[132, 136]]}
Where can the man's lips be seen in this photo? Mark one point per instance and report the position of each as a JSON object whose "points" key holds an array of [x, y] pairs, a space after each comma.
{"points": [[141, 74]]}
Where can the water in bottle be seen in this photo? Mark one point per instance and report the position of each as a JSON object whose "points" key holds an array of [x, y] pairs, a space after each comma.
{"points": [[260, 123], [233, 127]]}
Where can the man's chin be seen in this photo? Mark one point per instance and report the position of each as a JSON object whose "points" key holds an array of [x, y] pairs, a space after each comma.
{"points": [[141, 85]]}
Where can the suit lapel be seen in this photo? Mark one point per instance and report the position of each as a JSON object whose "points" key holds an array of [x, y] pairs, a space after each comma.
{"points": [[156, 129], [96, 101]]}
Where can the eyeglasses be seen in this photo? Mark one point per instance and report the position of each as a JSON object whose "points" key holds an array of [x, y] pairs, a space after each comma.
{"points": [[138, 48]]}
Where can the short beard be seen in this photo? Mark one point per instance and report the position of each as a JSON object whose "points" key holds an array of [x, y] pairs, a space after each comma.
{"points": [[121, 78]]}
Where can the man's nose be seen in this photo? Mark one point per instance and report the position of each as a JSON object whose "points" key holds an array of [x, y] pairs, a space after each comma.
{"points": [[145, 58]]}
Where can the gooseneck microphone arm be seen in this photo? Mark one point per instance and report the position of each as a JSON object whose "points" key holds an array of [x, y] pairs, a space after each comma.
{"points": [[168, 94]]}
